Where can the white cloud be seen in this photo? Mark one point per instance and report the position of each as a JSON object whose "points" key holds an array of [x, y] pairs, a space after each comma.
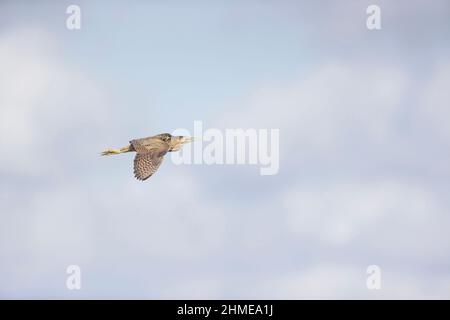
{"points": [[203, 287], [328, 111], [433, 113], [389, 218], [332, 280], [166, 219], [43, 104]]}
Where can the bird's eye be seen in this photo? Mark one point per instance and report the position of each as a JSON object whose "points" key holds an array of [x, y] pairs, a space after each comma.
{"points": [[165, 137]]}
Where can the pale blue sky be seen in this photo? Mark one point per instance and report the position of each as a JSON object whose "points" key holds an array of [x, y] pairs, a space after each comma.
{"points": [[364, 149]]}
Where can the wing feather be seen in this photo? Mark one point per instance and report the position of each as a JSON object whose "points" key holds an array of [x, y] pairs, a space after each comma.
{"points": [[149, 156], [145, 165]]}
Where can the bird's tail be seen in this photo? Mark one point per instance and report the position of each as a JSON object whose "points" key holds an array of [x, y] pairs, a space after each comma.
{"points": [[110, 152]]}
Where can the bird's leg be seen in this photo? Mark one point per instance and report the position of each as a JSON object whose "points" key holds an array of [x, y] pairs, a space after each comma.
{"points": [[110, 152], [125, 149]]}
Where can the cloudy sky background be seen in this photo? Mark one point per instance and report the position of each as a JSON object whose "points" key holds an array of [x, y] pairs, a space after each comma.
{"points": [[364, 149]]}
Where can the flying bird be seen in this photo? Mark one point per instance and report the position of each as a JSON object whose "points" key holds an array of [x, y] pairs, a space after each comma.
{"points": [[150, 152]]}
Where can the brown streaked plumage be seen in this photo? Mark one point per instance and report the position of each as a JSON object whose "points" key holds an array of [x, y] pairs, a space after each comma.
{"points": [[150, 152]]}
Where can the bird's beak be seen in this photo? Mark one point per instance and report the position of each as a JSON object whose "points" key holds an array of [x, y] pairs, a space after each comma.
{"points": [[189, 139]]}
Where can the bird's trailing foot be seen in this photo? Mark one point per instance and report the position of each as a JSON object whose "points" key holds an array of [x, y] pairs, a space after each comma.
{"points": [[110, 152]]}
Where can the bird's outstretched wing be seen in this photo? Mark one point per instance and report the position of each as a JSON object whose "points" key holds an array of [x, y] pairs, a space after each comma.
{"points": [[145, 165], [149, 156]]}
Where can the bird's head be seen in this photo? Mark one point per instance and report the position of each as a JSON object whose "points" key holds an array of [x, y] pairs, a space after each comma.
{"points": [[176, 142]]}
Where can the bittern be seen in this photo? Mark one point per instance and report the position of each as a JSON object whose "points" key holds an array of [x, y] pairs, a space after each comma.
{"points": [[150, 152]]}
